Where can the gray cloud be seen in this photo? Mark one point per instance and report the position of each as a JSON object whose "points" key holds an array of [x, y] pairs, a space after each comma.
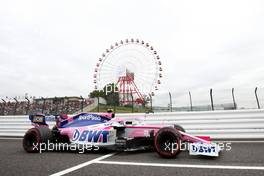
{"points": [[50, 48]]}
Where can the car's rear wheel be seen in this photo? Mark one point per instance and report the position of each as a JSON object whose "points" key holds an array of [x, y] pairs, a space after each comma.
{"points": [[167, 142], [34, 137]]}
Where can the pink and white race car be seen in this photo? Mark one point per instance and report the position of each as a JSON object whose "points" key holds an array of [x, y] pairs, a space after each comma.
{"points": [[103, 130]]}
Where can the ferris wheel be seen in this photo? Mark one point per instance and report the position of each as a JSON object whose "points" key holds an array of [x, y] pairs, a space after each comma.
{"points": [[133, 65]]}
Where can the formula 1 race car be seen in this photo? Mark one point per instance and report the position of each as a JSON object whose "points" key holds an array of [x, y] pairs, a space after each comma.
{"points": [[103, 130]]}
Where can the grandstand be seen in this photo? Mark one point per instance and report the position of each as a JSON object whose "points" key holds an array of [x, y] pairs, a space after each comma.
{"points": [[52, 105]]}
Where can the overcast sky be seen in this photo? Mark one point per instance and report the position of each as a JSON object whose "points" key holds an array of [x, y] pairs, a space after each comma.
{"points": [[50, 48]]}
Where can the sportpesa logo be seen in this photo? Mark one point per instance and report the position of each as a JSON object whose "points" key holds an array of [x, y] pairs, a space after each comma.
{"points": [[90, 136], [89, 117]]}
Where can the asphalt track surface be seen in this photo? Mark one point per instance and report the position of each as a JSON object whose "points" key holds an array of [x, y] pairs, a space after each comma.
{"points": [[245, 158]]}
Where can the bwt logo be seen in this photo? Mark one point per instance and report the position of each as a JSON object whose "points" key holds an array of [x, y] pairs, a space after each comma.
{"points": [[90, 135]]}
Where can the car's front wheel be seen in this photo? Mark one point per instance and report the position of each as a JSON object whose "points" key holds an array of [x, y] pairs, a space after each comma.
{"points": [[167, 142]]}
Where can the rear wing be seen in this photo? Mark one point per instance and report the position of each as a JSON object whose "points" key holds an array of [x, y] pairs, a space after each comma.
{"points": [[41, 119]]}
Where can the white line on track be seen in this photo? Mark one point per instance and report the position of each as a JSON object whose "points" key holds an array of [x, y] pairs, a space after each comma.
{"points": [[182, 165], [242, 141], [14, 138], [71, 169]]}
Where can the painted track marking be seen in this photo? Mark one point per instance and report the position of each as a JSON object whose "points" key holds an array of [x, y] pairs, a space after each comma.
{"points": [[245, 141], [71, 169], [14, 138], [182, 165]]}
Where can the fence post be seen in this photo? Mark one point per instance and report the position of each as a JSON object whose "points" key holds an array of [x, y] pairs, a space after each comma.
{"points": [[56, 105], [43, 106], [98, 103], [190, 97], [3, 107], [170, 102], [256, 94], [28, 105], [115, 104], [15, 106], [233, 96], [67, 105], [82, 103], [211, 96], [132, 102], [150, 102]]}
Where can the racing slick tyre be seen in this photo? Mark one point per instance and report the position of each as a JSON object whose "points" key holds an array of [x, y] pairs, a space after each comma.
{"points": [[34, 137], [179, 127], [167, 142]]}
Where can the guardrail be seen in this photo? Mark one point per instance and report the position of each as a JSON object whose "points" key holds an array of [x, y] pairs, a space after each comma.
{"points": [[229, 124]]}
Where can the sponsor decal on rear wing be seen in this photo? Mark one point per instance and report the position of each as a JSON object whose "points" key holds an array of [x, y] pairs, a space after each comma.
{"points": [[40, 119]]}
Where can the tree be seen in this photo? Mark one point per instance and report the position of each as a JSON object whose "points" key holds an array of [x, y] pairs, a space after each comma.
{"points": [[109, 93], [97, 93]]}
